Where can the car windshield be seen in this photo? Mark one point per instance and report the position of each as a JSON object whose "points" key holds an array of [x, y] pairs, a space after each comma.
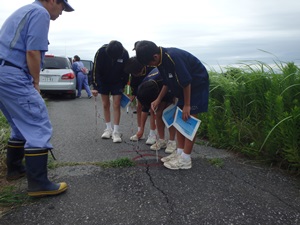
{"points": [[56, 63]]}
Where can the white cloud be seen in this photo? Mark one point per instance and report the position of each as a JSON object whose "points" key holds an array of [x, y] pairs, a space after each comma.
{"points": [[217, 31]]}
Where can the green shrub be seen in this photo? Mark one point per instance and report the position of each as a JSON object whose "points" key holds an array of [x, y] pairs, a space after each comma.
{"points": [[4, 135], [255, 111]]}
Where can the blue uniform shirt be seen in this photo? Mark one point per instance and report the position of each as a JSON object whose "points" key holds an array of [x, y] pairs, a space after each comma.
{"points": [[137, 80], [155, 75], [26, 29], [77, 66], [180, 68]]}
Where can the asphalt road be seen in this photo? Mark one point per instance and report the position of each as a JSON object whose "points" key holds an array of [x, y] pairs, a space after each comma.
{"points": [[238, 192]]}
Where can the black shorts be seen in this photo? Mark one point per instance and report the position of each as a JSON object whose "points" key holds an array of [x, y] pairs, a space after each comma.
{"points": [[168, 98], [199, 99], [113, 89]]}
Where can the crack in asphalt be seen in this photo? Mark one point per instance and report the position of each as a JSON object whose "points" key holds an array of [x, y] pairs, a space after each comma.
{"points": [[147, 166]]}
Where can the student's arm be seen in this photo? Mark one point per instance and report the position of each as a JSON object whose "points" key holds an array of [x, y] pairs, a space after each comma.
{"points": [[134, 83], [187, 102], [161, 95], [33, 59], [98, 67]]}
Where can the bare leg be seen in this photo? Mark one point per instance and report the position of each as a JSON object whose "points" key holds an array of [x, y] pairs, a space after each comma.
{"points": [[188, 144], [117, 108], [180, 140], [172, 129], [172, 132], [159, 122], [144, 117], [138, 113], [152, 120], [106, 107]]}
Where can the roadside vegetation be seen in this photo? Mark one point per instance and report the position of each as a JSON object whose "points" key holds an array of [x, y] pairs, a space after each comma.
{"points": [[254, 110], [10, 196], [4, 135]]}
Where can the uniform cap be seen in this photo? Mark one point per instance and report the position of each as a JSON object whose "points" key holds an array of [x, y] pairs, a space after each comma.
{"points": [[68, 8]]}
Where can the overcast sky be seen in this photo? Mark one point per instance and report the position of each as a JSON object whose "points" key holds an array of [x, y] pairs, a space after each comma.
{"points": [[218, 32]]}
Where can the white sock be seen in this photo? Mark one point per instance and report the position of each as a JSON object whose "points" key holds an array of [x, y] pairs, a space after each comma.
{"points": [[116, 128], [179, 151], [108, 126], [152, 133], [185, 156], [139, 128]]}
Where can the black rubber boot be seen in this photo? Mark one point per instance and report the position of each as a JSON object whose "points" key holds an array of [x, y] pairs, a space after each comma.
{"points": [[37, 174], [14, 158]]}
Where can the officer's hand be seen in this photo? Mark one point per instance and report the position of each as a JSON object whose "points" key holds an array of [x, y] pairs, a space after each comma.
{"points": [[37, 87]]}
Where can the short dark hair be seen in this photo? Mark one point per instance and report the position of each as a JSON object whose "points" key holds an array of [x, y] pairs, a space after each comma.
{"points": [[145, 51], [148, 92], [133, 66], [77, 58], [114, 49]]}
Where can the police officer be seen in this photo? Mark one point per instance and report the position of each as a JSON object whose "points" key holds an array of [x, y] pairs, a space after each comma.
{"points": [[23, 43]]}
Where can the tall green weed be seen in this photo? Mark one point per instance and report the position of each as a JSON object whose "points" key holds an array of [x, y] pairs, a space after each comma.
{"points": [[256, 111], [4, 135]]}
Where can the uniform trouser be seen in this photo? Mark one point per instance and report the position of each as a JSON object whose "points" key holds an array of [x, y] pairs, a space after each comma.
{"points": [[82, 80], [24, 109]]}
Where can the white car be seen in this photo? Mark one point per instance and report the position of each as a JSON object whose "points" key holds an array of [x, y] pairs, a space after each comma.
{"points": [[57, 76]]}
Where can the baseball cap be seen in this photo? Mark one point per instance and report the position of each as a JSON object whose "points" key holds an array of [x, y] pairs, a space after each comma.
{"points": [[135, 44], [68, 8]]}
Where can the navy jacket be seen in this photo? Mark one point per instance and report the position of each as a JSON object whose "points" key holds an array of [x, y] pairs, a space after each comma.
{"points": [[136, 81], [180, 68], [107, 71]]}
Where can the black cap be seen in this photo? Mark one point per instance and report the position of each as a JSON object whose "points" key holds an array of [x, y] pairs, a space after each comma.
{"points": [[135, 45], [68, 8]]}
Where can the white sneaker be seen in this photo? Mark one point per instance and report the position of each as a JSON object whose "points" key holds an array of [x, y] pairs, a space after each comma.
{"points": [[171, 147], [178, 163], [158, 145], [151, 139], [170, 157], [135, 138], [116, 136], [107, 134]]}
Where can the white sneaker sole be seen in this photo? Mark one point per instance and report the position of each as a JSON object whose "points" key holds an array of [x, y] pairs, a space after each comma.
{"points": [[105, 137], [184, 167], [135, 139], [169, 150], [150, 142], [165, 159]]}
